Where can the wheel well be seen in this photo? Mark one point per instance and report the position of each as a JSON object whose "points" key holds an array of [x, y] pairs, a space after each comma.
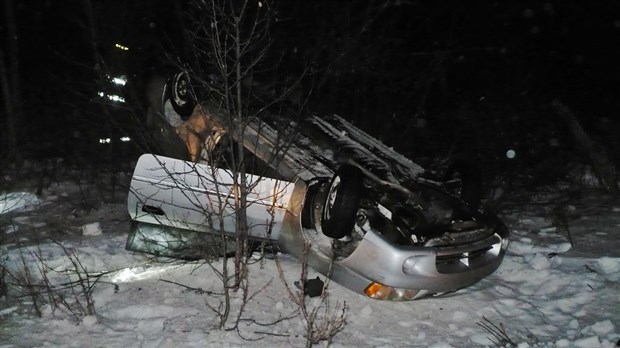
{"points": [[313, 203]]}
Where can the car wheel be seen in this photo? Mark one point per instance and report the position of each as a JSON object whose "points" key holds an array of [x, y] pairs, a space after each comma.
{"points": [[342, 202], [180, 94]]}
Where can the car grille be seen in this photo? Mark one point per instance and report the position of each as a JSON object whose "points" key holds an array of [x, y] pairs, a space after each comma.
{"points": [[458, 259], [451, 239]]}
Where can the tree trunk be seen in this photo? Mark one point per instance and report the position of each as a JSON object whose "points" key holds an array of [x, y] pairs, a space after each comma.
{"points": [[10, 83], [603, 168]]}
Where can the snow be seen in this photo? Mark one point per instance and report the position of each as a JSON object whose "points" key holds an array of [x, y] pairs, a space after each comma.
{"points": [[92, 229], [17, 201], [547, 293]]}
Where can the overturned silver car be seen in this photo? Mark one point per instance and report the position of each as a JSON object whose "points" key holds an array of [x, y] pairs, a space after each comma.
{"points": [[322, 189]]}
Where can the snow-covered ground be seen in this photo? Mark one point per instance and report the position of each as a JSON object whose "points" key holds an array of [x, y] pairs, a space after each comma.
{"points": [[546, 293]]}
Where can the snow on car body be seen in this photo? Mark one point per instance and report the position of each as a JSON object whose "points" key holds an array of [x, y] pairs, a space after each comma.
{"points": [[372, 222]]}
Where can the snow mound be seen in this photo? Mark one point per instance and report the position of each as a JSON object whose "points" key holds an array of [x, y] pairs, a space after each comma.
{"points": [[93, 229], [609, 267], [18, 201], [546, 293]]}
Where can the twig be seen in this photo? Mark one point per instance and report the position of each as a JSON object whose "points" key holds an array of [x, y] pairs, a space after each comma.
{"points": [[197, 290], [271, 334], [498, 332], [279, 320]]}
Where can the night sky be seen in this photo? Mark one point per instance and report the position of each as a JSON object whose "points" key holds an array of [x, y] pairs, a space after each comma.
{"points": [[423, 76]]}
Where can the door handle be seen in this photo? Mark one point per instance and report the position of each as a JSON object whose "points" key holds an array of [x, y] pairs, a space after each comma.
{"points": [[149, 209]]}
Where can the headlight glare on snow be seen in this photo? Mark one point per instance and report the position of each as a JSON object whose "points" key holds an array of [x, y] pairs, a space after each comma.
{"points": [[379, 291]]}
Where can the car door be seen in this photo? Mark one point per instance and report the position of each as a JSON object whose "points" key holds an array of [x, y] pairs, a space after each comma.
{"points": [[198, 197]]}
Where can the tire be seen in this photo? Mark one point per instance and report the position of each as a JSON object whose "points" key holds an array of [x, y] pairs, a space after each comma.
{"points": [[180, 94], [342, 202]]}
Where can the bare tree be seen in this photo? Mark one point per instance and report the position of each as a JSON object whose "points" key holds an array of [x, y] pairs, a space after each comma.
{"points": [[594, 152], [322, 323], [230, 39], [230, 45]]}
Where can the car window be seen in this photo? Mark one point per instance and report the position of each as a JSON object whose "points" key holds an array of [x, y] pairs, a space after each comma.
{"points": [[224, 156]]}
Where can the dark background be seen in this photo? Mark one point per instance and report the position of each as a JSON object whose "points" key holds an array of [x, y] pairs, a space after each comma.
{"points": [[431, 78]]}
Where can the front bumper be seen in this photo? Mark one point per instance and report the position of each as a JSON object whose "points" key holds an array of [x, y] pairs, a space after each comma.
{"points": [[425, 269], [451, 264]]}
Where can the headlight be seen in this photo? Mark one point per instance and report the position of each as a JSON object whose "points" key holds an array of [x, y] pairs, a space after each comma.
{"points": [[379, 291], [504, 243]]}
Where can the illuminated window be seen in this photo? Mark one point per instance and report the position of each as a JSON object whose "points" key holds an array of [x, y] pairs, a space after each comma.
{"points": [[116, 98], [121, 81]]}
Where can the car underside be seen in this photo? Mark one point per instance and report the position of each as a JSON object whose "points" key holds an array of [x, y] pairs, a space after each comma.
{"points": [[356, 210]]}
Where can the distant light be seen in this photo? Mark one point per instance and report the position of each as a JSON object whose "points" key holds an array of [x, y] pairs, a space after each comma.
{"points": [[116, 98], [112, 97], [121, 81], [125, 139], [105, 140], [511, 154], [119, 46]]}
